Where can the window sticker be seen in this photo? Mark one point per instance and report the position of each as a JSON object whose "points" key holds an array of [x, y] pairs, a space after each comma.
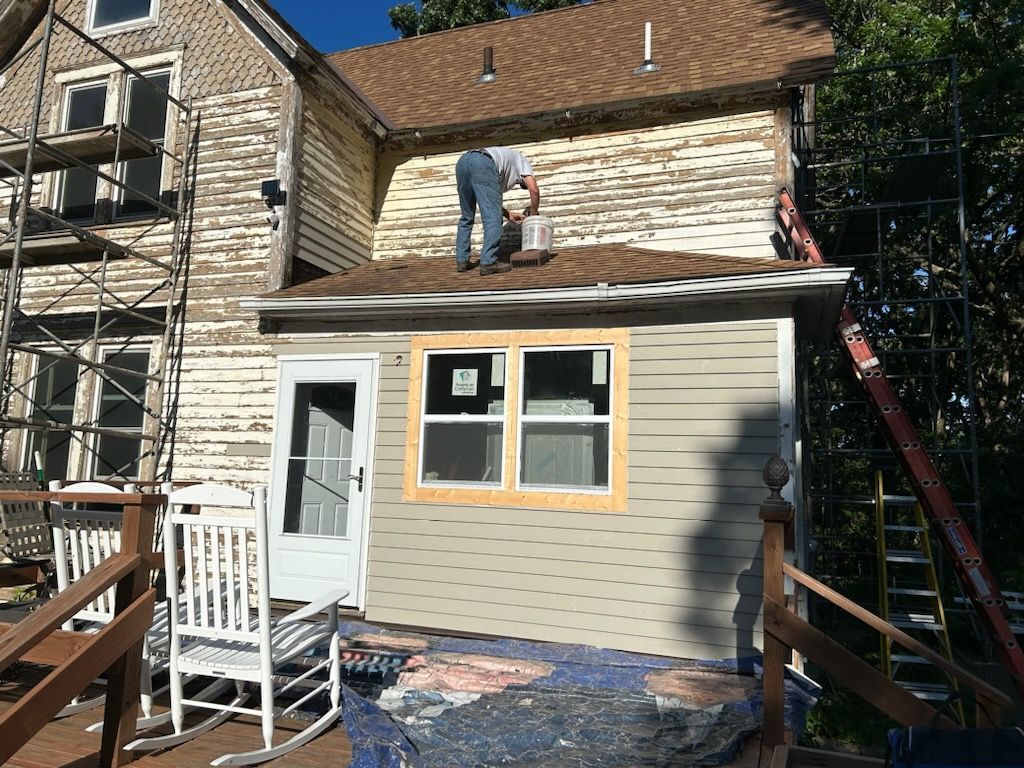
{"points": [[600, 376], [464, 382]]}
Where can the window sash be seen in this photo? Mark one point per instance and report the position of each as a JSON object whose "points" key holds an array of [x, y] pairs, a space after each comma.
{"points": [[75, 201], [107, 393], [149, 170], [523, 419]]}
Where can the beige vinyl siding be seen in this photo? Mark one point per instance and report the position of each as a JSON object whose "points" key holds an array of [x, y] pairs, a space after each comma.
{"points": [[337, 165], [660, 578], [705, 185]]}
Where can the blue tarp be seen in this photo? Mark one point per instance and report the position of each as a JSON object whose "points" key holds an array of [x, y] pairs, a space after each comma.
{"points": [[544, 705]]}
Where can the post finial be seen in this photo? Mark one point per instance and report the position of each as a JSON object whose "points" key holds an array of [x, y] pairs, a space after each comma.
{"points": [[775, 476]]}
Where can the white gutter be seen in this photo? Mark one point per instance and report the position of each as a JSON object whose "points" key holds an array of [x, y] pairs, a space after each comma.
{"points": [[790, 283]]}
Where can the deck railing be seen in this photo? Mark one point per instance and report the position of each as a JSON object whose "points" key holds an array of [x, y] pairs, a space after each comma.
{"points": [[78, 658], [785, 632]]}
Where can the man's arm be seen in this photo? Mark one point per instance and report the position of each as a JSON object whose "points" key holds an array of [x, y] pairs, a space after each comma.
{"points": [[534, 190]]}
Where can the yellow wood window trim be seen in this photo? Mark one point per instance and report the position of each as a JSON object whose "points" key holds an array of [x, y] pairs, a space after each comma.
{"points": [[507, 495]]}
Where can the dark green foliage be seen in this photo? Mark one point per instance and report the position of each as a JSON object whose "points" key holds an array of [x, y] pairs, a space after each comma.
{"points": [[412, 19]]}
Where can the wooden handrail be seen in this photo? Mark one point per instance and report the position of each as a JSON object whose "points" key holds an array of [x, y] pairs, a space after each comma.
{"points": [[59, 609], [992, 695], [117, 648]]}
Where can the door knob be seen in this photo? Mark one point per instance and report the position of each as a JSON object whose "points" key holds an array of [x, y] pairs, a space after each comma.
{"points": [[358, 478]]}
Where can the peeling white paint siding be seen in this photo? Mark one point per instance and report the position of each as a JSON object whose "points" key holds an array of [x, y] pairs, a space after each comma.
{"points": [[704, 185], [337, 165]]}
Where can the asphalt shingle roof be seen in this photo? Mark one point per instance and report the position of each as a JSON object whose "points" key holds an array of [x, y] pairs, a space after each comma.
{"points": [[585, 56], [568, 268]]}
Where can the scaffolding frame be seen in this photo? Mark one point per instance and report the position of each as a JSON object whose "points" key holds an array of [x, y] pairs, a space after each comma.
{"points": [[151, 316], [886, 196]]}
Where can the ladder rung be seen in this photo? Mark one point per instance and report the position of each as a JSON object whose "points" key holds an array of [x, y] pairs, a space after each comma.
{"points": [[905, 528], [912, 592], [914, 621], [899, 499], [905, 556], [926, 691], [908, 658]]}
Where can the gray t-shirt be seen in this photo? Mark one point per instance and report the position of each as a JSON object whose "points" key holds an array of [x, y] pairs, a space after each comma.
{"points": [[512, 166]]}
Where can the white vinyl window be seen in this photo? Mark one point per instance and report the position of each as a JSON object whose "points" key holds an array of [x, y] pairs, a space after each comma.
{"points": [[121, 15], [565, 419], [463, 425]]}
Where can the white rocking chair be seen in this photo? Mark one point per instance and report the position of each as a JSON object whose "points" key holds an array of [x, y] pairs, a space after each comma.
{"points": [[215, 635], [87, 537]]}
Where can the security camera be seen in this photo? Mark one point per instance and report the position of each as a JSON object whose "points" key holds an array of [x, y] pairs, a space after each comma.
{"points": [[275, 221]]}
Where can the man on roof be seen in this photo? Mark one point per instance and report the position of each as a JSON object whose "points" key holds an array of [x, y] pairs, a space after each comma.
{"points": [[482, 177]]}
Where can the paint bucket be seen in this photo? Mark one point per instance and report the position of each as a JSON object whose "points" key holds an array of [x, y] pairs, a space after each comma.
{"points": [[537, 233]]}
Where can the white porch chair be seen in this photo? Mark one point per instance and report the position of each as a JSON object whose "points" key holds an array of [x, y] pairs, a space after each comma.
{"points": [[215, 634], [87, 537]]}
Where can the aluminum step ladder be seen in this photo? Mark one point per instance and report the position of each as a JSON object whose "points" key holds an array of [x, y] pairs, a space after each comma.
{"points": [[910, 596], [976, 577]]}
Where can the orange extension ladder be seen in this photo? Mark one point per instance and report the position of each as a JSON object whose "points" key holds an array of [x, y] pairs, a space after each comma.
{"points": [[978, 582]]}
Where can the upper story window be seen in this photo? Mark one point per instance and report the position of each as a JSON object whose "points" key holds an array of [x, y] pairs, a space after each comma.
{"points": [[518, 420], [120, 15], [145, 111]]}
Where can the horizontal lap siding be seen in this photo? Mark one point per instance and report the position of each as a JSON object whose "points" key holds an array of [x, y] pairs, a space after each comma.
{"points": [[705, 185], [664, 577], [336, 181]]}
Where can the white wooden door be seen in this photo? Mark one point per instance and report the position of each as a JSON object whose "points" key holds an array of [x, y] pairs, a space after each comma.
{"points": [[320, 479]]}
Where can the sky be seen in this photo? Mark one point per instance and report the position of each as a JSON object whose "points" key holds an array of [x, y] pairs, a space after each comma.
{"points": [[333, 25]]}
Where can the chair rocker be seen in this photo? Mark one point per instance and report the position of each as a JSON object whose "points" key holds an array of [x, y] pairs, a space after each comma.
{"points": [[216, 636]]}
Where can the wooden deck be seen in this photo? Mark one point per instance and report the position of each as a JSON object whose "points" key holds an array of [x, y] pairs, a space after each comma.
{"points": [[65, 744]]}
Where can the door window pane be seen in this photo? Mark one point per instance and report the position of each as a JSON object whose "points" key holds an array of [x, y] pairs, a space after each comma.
{"points": [[53, 400], [106, 13], [118, 457], [78, 185], [146, 114], [318, 484]]}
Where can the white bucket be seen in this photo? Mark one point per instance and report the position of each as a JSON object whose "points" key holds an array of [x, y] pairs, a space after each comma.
{"points": [[537, 233]]}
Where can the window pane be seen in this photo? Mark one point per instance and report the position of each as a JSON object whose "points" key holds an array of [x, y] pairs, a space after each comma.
{"points": [[472, 384], [119, 456], [566, 383], [85, 107], [464, 453], [78, 186], [147, 109], [117, 11], [142, 177], [565, 455], [54, 400], [318, 485]]}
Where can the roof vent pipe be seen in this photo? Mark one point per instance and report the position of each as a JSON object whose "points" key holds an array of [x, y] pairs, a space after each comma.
{"points": [[648, 65], [488, 75]]}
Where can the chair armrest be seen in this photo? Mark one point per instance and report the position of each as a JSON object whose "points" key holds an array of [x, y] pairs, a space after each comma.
{"points": [[324, 602]]}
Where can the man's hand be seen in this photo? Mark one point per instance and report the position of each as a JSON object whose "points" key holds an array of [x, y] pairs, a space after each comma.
{"points": [[515, 218]]}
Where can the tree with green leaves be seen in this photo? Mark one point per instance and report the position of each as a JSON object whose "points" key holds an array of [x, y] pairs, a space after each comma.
{"points": [[411, 19]]}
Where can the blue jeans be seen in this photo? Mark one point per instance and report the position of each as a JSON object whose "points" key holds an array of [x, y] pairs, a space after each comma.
{"points": [[478, 184]]}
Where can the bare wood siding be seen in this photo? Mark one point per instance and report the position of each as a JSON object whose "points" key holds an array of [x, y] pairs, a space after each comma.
{"points": [[665, 577], [337, 165], [704, 185]]}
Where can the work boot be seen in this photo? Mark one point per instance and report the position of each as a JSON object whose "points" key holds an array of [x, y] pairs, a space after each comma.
{"points": [[461, 266], [498, 266]]}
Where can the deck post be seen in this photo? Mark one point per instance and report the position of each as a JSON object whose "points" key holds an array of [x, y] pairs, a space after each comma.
{"points": [[777, 514], [122, 704]]}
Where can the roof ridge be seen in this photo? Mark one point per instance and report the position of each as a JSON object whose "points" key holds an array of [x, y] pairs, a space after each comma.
{"points": [[522, 18]]}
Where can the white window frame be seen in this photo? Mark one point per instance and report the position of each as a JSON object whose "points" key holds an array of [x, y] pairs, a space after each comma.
{"points": [[117, 79], [465, 418], [97, 404], [148, 20], [522, 419], [65, 114]]}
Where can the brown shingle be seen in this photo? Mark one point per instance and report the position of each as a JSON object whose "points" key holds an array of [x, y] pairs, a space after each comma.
{"points": [[570, 267], [585, 56]]}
